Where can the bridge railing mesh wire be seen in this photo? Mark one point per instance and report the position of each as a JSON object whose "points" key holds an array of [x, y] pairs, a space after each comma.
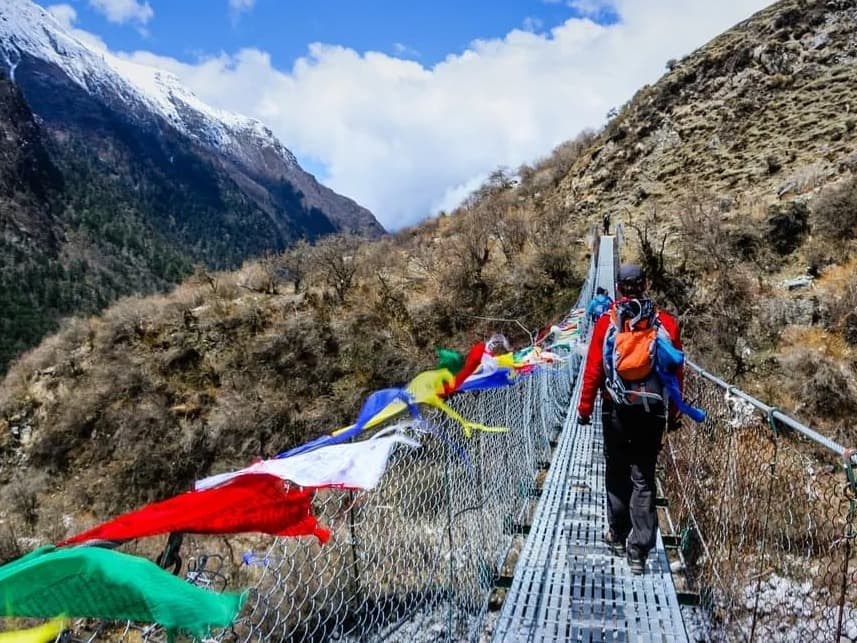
{"points": [[421, 552], [765, 513], [417, 557]]}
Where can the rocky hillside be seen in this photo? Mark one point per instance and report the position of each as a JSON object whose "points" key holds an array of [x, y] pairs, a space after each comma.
{"points": [[764, 113], [734, 176], [730, 176]]}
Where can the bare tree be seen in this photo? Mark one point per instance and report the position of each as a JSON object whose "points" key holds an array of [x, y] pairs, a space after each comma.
{"points": [[704, 238], [296, 262], [652, 238], [512, 233], [545, 228], [334, 260], [261, 275], [477, 226]]}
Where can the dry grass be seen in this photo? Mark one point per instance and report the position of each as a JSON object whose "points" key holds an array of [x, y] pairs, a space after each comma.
{"points": [[816, 340]]}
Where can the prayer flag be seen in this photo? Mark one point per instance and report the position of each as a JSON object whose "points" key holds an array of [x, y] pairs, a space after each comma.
{"points": [[250, 503], [39, 634], [359, 465], [91, 582]]}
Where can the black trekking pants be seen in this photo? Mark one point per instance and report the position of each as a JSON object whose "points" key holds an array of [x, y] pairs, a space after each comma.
{"points": [[632, 440]]}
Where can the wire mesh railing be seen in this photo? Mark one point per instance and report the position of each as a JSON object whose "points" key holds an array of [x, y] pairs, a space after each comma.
{"points": [[764, 508], [419, 554], [415, 558]]}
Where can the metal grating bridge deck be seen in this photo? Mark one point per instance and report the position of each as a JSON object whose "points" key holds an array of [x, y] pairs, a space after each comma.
{"points": [[567, 585]]}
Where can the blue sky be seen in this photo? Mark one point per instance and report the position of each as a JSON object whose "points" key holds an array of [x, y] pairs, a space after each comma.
{"points": [[406, 106], [423, 31]]}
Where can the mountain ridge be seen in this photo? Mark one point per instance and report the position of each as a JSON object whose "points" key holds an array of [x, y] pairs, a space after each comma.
{"points": [[692, 121], [132, 182], [27, 30]]}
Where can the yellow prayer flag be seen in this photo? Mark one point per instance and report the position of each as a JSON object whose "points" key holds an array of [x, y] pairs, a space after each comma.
{"points": [[40, 634]]}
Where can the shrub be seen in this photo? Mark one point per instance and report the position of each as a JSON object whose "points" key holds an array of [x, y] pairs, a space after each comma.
{"points": [[773, 164], [824, 388], [834, 211], [10, 548], [22, 496], [788, 225]]}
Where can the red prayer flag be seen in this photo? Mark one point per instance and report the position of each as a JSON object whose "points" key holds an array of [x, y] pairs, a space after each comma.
{"points": [[471, 363], [250, 503]]}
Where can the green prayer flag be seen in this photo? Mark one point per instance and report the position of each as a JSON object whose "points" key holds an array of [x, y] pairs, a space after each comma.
{"points": [[453, 361], [100, 583]]}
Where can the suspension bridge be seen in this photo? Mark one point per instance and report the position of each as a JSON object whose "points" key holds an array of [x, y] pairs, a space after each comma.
{"points": [[498, 536]]}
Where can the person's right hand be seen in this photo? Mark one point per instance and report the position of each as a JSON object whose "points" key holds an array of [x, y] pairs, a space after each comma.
{"points": [[584, 420]]}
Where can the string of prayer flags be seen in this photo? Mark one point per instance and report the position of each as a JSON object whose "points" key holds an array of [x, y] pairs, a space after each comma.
{"points": [[378, 407], [40, 634]]}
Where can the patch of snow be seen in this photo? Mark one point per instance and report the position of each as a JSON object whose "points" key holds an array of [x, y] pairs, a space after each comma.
{"points": [[26, 28], [743, 413]]}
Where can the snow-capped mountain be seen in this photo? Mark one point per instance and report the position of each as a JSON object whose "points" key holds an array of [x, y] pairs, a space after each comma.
{"points": [[41, 56]]}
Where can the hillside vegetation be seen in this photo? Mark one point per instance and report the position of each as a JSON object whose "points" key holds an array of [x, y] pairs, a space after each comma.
{"points": [[98, 203], [732, 174], [135, 404]]}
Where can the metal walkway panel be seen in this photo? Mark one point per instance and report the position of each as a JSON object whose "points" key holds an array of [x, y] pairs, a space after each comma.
{"points": [[567, 584], [607, 268]]}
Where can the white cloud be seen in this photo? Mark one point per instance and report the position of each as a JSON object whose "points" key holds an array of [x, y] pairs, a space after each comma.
{"points": [[66, 15], [532, 23], [239, 6], [122, 11], [405, 140], [403, 51]]}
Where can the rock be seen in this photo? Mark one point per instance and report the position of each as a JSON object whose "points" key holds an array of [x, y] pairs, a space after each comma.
{"points": [[781, 312], [743, 347], [820, 41], [798, 283], [849, 163]]}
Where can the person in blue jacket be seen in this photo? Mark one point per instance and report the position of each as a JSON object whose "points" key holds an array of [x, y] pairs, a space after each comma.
{"points": [[599, 305]]}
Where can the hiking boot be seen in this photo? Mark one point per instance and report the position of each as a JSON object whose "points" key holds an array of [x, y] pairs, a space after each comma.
{"points": [[614, 543], [636, 561]]}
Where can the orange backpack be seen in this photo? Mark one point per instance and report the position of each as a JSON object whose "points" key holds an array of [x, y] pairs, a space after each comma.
{"points": [[630, 351]]}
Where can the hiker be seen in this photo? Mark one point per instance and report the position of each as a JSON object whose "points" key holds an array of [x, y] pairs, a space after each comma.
{"points": [[605, 222], [599, 305], [633, 412]]}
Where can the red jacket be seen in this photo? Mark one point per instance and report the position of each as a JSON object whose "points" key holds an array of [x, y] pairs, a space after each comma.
{"points": [[593, 373]]}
